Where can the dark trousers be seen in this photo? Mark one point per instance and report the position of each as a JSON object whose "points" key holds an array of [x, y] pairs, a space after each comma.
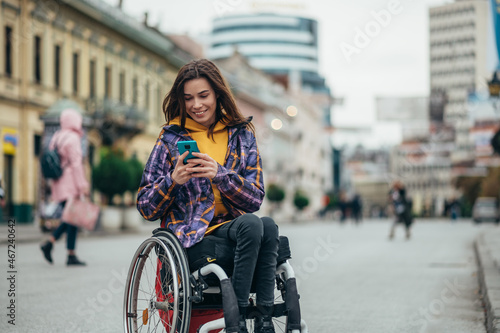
{"points": [[255, 256], [70, 230]]}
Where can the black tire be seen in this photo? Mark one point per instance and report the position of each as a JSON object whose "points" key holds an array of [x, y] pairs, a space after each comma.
{"points": [[151, 309]]}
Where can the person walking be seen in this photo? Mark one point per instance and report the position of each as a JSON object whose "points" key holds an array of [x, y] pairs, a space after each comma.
{"points": [[402, 208], [217, 191], [72, 182], [357, 208]]}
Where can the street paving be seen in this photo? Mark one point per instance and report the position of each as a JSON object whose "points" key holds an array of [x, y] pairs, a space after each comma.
{"points": [[351, 279]]}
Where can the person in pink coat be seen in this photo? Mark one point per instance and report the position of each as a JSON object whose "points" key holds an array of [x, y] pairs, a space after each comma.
{"points": [[72, 183]]}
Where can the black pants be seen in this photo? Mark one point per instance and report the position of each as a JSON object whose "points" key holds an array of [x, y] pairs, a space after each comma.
{"points": [[70, 230], [255, 256]]}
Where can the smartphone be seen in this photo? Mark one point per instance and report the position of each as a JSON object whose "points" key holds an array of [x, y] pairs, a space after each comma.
{"points": [[190, 146]]}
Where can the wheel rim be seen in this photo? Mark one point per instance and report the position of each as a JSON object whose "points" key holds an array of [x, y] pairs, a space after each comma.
{"points": [[147, 308]]}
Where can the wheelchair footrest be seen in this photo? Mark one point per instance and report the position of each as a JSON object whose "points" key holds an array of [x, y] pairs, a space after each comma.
{"points": [[279, 310]]}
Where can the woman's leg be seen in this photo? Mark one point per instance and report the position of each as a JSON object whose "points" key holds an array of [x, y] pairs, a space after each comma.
{"points": [[265, 269], [48, 245], [59, 231], [71, 231], [247, 232]]}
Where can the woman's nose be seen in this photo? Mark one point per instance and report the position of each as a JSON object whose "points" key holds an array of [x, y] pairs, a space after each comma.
{"points": [[197, 103]]}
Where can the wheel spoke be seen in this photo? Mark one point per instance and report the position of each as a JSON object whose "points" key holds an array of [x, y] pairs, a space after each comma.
{"points": [[159, 275]]}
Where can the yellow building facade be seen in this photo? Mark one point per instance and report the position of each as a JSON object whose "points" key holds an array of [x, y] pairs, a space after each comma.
{"points": [[84, 51]]}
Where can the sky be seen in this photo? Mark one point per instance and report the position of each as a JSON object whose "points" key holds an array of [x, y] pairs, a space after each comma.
{"points": [[368, 48]]}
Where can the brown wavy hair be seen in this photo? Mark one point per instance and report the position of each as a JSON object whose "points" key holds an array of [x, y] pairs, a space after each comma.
{"points": [[226, 109]]}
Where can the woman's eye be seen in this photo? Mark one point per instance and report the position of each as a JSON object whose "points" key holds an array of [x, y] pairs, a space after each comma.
{"points": [[204, 96], [187, 99]]}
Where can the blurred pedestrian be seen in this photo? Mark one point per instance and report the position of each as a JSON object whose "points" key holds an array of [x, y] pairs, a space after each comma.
{"points": [[72, 182], [454, 207], [343, 205], [357, 208], [402, 208]]}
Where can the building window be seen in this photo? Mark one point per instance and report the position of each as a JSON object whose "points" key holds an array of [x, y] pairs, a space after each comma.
{"points": [[57, 67], [8, 51], [75, 72], [107, 82], [92, 79], [122, 87], [38, 60], [134, 91]]}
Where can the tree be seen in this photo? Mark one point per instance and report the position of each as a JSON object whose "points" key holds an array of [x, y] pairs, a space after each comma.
{"points": [[300, 200], [276, 194], [112, 176], [136, 170]]}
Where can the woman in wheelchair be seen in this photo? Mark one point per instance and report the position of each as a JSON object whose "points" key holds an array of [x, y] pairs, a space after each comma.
{"points": [[217, 190]]}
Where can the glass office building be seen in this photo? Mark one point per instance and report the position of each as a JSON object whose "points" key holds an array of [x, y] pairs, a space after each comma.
{"points": [[280, 45]]}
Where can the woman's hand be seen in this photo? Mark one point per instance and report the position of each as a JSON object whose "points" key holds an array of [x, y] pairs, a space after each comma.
{"points": [[181, 175], [202, 166]]}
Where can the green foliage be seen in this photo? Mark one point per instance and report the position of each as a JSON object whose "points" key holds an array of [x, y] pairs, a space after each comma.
{"points": [[136, 169], [113, 175], [300, 200], [275, 193]]}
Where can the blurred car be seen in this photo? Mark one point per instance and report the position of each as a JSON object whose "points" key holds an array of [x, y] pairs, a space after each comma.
{"points": [[486, 209]]}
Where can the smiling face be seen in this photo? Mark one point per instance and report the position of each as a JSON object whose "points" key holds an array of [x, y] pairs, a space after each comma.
{"points": [[200, 101]]}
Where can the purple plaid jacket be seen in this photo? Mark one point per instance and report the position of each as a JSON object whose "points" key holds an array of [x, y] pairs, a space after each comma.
{"points": [[188, 209]]}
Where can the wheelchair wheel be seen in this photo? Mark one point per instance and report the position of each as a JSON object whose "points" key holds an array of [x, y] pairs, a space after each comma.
{"points": [[157, 289]]}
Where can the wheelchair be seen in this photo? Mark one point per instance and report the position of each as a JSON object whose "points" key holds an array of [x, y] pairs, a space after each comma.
{"points": [[164, 292]]}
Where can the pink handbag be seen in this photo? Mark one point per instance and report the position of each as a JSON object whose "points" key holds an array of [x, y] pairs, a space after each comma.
{"points": [[81, 213]]}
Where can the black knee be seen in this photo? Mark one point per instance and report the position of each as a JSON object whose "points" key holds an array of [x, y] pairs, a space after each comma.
{"points": [[252, 228], [271, 231]]}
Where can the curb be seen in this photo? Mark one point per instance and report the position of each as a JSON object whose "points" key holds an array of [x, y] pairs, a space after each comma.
{"points": [[489, 284]]}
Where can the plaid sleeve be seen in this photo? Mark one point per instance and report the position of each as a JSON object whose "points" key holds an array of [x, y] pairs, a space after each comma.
{"points": [[157, 189], [244, 190]]}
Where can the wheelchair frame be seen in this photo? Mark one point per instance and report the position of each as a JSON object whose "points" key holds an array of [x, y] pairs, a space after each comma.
{"points": [[165, 306]]}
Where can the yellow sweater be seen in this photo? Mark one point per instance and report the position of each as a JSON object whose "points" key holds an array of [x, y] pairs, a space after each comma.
{"points": [[216, 149]]}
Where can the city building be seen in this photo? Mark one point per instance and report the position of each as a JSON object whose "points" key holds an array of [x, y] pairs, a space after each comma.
{"points": [[87, 52], [424, 166], [484, 119], [282, 45], [458, 37]]}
